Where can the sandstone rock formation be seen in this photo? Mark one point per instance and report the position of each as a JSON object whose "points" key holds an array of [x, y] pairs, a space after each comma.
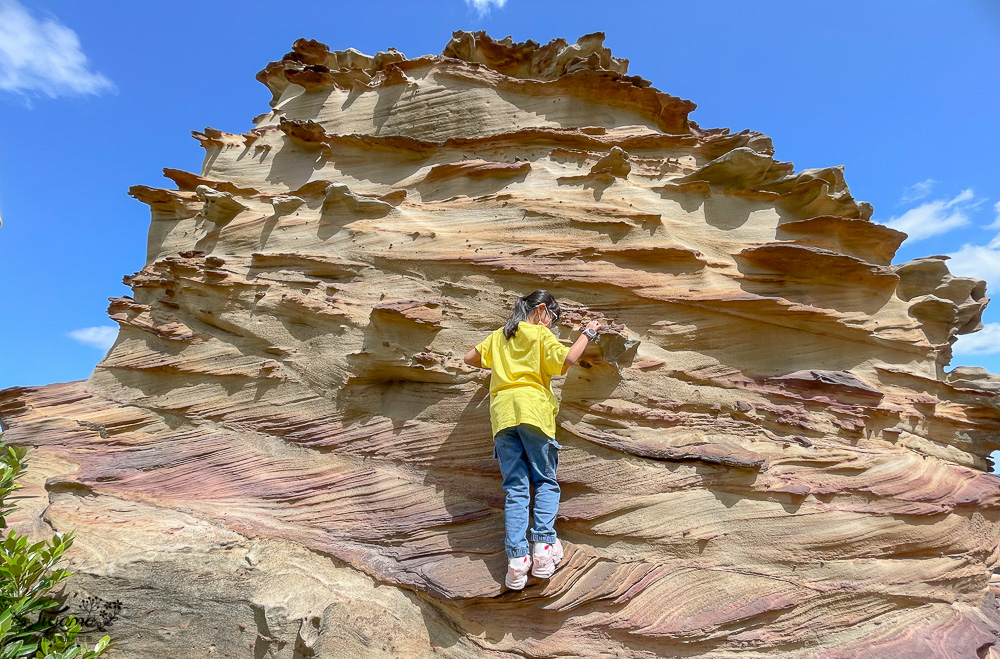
{"points": [[283, 455]]}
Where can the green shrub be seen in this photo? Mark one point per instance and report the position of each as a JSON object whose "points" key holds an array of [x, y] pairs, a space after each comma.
{"points": [[29, 628]]}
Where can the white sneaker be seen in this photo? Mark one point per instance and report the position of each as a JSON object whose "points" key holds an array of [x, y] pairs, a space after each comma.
{"points": [[545, 557], [517, 572]]}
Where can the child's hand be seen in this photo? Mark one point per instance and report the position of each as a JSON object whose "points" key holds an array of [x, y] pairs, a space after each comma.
{"points": [[594, 325]]}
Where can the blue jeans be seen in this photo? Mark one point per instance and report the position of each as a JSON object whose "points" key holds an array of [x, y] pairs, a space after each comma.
{"points": [[527, 457]]}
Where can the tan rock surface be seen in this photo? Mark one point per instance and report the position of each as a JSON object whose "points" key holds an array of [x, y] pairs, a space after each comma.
{"points": [[283, 455]]}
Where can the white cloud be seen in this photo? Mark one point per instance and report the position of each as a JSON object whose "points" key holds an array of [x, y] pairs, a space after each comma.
{"points": [[483, 6], [98, 337], [918, 191], [984, 342], [964, 195], [43, 57], [979, 261], [935, 217]]}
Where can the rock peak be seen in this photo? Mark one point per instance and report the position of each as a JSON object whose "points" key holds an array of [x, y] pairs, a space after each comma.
{"points": [[530, 60]]}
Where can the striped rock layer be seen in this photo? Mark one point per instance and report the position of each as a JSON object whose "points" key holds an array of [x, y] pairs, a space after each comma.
{"points": [[284, 455]]}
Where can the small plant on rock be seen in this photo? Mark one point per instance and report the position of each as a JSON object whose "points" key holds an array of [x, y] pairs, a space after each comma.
{"points": [[29, 579]]}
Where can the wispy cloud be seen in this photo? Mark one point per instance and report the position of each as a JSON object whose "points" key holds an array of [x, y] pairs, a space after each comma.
{"points": [[984, 342], [40, 56], [936, 217], [979, 261], [483, 7], [98, 337], [917, 191]]}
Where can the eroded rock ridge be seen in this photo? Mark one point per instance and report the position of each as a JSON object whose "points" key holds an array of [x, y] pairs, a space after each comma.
{"points": [[283, 455]]}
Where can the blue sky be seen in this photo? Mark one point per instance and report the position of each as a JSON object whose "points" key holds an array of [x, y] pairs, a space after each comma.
{"points": [[101, 96]]}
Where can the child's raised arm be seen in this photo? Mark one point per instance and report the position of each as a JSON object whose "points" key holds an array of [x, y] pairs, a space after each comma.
{"points": [[576, 350], [473, 358]]}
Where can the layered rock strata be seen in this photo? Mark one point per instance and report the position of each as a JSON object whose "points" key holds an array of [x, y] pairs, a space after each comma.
{"points": [[284, 455]]}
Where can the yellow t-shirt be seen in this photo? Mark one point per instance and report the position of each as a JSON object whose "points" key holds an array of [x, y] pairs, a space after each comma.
{"points": [[521, 370]]}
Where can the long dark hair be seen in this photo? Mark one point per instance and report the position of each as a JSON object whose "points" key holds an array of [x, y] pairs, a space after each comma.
{"points": [[524, 305]]}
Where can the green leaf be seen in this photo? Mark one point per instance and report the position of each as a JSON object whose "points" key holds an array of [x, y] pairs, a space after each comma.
{"points": [[28, 575]]}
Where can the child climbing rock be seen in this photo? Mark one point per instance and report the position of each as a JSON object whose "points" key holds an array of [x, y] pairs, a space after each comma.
{"points": [[523, 355]]}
